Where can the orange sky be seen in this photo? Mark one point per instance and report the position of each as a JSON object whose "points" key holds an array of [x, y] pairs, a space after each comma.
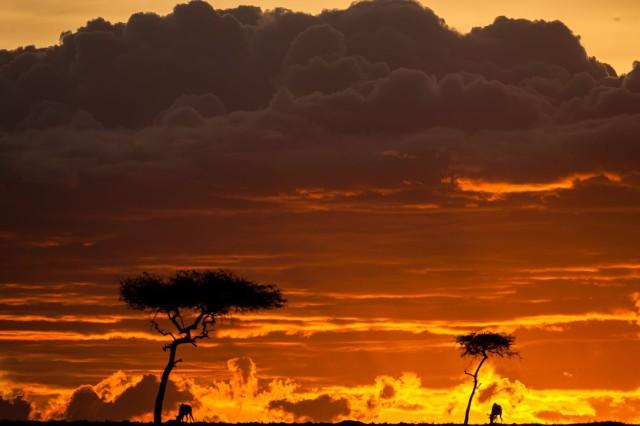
{"points": [[412, 201], [609, 29], [375, 299]]}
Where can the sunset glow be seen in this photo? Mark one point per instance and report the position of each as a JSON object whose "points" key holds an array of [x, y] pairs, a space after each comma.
{"points": [[404, 172]]}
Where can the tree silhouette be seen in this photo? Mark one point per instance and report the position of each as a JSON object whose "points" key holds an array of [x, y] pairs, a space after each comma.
{"points": [[192, 301], [483, 345]]}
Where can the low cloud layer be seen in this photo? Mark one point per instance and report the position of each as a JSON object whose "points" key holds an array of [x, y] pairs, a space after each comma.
{"points": [[320, 409], [118, 397], [14, 408], [229, 399], [100, 403]]}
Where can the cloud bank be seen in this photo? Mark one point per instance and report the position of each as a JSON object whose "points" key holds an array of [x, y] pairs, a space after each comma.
{"points": [[254, 107], [127, 74], [14, 408], [102, 403], [232, 400]]}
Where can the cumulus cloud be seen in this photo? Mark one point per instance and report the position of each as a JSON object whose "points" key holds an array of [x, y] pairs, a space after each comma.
{"points": [[632, 80], [320, 409], [410, 100], [253, 107], [388, 391], [14, 407], [244, 380], [127, 73], [410, 401], [120, 397]]}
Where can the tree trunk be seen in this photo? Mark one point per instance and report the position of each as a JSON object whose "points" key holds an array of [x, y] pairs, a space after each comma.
{"points": [[157, 411], [473, 391]]}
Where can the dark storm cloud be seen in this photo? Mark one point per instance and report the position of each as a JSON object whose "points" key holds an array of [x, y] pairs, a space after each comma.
{"points": [[410, 100], [86, 404], [632, 80], [383, 94], [127, 73], [321, 409], [16, 408], [267, 159]]}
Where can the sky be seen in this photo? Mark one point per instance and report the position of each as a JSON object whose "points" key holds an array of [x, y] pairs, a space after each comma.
{"points": [[402, 182]]}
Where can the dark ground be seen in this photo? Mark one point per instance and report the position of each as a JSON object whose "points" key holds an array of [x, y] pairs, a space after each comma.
{"points": [[344, 423]]}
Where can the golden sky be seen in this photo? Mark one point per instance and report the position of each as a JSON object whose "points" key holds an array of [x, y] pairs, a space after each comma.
{"points": [[610, 30], [403, 184]]}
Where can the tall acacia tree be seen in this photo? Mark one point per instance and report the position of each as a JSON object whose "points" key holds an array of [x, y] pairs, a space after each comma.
{"points": [[481, 345], [191, 302]]}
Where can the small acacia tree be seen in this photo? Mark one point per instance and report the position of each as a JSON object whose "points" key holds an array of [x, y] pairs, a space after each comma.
{"points": [[482, 345], [192, 301]]}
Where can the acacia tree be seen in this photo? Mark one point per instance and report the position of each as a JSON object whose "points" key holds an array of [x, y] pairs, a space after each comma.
{"points": [[482, 345], [192, 301]]}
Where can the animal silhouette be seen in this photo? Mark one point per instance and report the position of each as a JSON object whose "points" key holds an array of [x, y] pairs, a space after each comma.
{"points": [[185, 413], [496, 411]]}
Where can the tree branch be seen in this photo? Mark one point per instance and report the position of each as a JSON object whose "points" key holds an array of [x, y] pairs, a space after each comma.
{"points": [[179, 317], [196, 323], [204, 320], [209, 319], [173, 317], [156, 326]]}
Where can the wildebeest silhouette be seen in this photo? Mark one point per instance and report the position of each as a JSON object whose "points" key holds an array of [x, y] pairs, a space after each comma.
{"points": [[185, 412], [496, 411]]}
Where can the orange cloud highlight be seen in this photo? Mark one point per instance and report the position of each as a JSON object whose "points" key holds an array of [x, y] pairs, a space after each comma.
{"points": [[240, 398], [502, 187]]}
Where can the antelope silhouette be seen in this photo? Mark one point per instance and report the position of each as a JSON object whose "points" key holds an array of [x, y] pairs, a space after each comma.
{"points": [[185, 412], [496, 411]]}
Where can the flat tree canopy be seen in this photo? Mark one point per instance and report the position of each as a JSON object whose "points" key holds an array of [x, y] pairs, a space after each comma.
{"points": [[483, 343], [215, 292]]}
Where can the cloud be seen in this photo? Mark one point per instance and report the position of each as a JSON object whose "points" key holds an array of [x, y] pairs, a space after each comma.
{"points": [[125, 74], [120, 398], [14, 408], [414, 400], [222, 119], [410, 100], [521, 41], [321, 409], [631, 81], [279, 399], [318, 41], [501, 388], [387, 392], [190, 110], [244, 380]]}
